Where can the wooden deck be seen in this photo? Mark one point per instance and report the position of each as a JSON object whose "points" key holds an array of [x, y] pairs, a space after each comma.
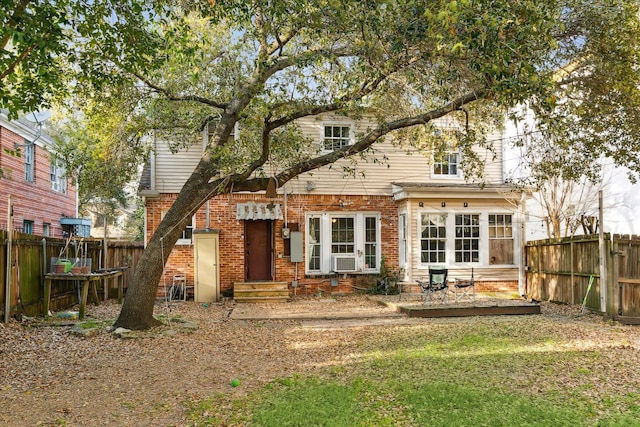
{"points": [[451, 310], [481, 306]]}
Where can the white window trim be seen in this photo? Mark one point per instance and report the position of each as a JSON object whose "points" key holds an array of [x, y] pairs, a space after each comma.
{"points": [[193, 227], [359, 243], [29, 162], [403, 240], [57, 174], [457, 175], [447, 244], [342, 123], [483, 260]]}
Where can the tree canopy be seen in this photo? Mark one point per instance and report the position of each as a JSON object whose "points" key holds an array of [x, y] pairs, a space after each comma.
{"points": [[172, 67]]}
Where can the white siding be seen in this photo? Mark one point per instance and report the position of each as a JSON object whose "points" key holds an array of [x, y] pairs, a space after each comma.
{"points": [[376, 178], [371, 178], [173, 169]]}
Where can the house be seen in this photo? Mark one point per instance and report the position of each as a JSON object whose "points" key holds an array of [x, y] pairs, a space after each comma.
{"points": [[330, 232], [44, 201]]}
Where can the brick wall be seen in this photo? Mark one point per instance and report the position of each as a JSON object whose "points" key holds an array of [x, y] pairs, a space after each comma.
{"points": [[33, 201], [222, 216]]}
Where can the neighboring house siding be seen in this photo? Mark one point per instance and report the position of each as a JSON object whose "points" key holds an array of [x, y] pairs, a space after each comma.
{"points": [[33, 201]]}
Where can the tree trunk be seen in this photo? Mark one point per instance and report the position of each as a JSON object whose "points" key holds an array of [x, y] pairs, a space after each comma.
{"points": [[137, 308]]}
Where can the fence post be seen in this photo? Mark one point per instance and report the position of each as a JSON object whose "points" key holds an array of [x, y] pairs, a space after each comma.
{"points": [[602, 253], [9, 271]]}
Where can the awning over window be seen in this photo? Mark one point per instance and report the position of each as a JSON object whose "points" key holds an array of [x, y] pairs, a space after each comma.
{"points": [[255, 211]]}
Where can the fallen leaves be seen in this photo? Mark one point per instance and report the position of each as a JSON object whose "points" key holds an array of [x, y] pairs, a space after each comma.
{"points": [[50, 374]]}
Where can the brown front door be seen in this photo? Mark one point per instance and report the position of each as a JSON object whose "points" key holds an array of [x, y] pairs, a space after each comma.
{"points": [[258, 250]]}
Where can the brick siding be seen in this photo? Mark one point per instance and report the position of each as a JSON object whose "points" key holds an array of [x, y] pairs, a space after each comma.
{"points": [[222, 216], [32, 201]]}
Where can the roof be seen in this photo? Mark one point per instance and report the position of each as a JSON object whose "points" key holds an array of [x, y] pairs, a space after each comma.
{"points": [[403, 190]]}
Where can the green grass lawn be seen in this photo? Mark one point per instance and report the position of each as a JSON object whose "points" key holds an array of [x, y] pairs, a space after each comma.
{"points": [[517, 371]]}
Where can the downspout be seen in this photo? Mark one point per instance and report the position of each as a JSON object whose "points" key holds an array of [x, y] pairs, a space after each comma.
{"points": [[522, 277]]}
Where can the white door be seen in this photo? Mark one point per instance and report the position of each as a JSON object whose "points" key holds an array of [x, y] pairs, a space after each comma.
{"points": [[207, 273]]}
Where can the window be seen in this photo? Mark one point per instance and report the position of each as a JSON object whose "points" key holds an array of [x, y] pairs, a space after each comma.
{"points": [[467, 243], [58, 179], [447, 164], [336, 137], [446, 161], [355, 236], [187, 234], [186, 238], [29, 162], [342, 235], [402, 240], [501, 239], [370, 242], [27, 227], [314, 244], [433, 238], [46, 229]]}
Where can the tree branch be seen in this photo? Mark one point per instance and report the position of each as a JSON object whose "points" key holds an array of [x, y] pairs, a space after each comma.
{"points": [[173, 97], [18, 60], [241, 183], [366, 88]]}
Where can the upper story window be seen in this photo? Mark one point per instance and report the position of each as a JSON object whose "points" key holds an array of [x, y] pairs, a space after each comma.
{"points": [[447, 164], [58, 176], [446, 161], [29, 162], [336, 136]]}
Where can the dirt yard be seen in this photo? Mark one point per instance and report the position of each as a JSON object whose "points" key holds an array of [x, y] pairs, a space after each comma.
{"points": [[52, 376]]}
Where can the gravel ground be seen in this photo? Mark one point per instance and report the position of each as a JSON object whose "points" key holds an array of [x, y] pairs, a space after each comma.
{"points": [[52, 376]]}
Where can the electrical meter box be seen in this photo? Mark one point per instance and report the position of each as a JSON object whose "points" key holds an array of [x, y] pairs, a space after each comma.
{"points": [[297, 252]]}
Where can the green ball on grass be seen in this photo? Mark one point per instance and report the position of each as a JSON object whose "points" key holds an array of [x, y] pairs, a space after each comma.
{"points": [[235, 382]]}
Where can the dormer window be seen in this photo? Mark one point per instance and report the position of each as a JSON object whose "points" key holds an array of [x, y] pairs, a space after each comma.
{"points": [[336, 136]]}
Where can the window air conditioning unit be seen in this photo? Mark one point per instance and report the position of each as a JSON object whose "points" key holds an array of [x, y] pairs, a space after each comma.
{"points": [[344, 263]]}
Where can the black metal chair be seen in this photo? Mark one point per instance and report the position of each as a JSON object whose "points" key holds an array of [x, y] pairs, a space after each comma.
{"points": [[465, 289], [437, 288]]}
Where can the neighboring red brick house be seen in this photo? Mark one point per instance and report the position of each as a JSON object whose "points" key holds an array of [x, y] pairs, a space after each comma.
{"points": [[44, 201], [331, 232]]}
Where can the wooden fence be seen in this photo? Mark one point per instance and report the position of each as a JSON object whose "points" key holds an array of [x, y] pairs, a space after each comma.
{"points": [[561, 270], [31, 259]]}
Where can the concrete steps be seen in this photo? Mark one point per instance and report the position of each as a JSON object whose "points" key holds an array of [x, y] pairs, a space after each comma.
{"points": [[261, 292]]}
